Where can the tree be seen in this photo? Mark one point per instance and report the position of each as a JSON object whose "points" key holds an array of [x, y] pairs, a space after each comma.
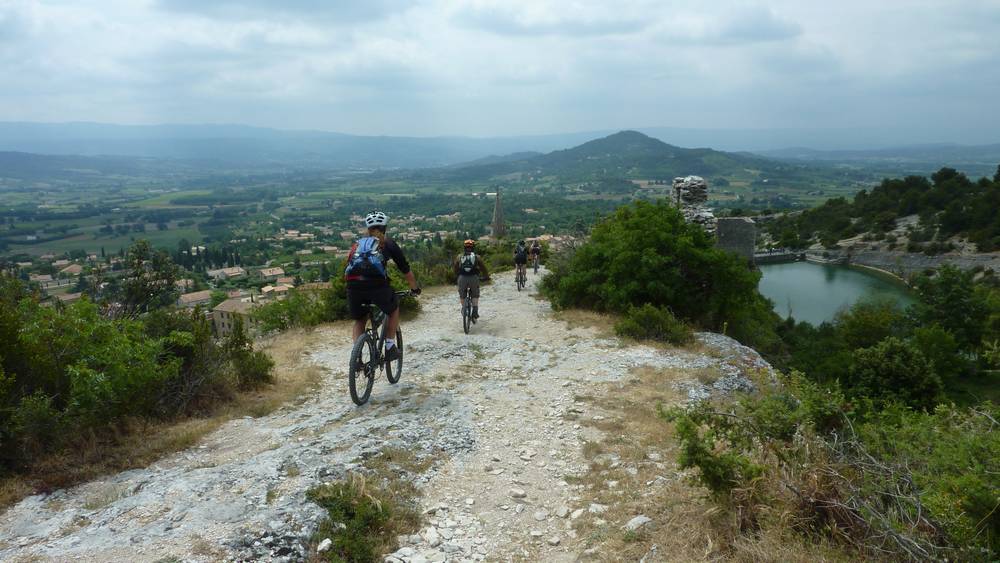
{"points": [[894, 370], [148, 283], [949, 300], [324, 273]]}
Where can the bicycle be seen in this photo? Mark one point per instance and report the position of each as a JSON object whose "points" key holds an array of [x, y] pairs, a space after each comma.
{"points": [[373, 340], [467, 319], [521, 278], [534, 262]]}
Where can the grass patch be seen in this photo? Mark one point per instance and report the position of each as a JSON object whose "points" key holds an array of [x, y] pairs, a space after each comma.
{"points": [[140, 443], [366, 512]]}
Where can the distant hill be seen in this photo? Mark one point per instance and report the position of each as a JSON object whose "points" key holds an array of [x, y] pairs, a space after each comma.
{"points": [[258, 147], [975, 160], [626, 154]]}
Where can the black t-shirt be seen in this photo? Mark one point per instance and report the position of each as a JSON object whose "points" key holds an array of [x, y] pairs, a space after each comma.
{"points": [[390, 251]]}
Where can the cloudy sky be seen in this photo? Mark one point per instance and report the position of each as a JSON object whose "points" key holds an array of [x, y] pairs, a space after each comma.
{"points": [[501, 67]]}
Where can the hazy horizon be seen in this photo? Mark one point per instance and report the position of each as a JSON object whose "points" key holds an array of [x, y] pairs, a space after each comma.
{"points": [[483, 68]]}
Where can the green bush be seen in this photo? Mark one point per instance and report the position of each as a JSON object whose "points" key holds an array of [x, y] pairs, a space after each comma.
{"points": [[252, 368], [653, 323], [647, 253], [894, 370]]}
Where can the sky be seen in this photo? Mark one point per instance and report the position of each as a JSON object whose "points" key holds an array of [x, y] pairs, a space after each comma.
{"points": [[507, 67]]}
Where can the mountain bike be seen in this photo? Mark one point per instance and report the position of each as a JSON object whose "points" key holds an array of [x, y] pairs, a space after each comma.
{"points": [[534, 263], [467, 319], [368, 355], [521, 278]]}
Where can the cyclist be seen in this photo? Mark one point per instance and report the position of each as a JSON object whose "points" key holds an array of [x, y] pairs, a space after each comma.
{"points": [[367, 278], [521, 257], [469, 268], [536, 252]]}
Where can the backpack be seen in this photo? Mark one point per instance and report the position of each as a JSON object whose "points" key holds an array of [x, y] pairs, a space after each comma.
{"points": [[467, 263], [367, 261], [521, 252]]}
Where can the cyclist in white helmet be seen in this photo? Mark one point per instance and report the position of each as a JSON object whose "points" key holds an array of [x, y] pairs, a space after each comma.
{"points": [[367, 276]]}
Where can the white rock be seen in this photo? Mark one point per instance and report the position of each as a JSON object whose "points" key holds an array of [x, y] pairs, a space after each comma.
{"points": [[470, 501], [536, 534], [542, 515], [324, 545], [554, 540], [576, 514], [431, 536], [562, 512], [637, 522], [517, 493], [595, 508]]}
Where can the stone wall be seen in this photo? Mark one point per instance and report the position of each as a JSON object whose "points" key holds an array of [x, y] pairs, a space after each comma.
{"points": [[737, 235], [905, 264]]}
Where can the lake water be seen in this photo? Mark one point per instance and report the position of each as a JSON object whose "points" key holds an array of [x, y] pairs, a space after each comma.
{"points": [[815, 292]]}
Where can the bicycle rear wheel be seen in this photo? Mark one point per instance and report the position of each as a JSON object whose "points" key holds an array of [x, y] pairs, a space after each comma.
{"points": [[361, 374], [394, 368], [467, 315]]}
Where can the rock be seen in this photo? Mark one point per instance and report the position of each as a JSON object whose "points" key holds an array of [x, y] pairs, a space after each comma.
{"points": [[554, 540], [518, 493], [595, 508], [404, 552], [637, 522], [562, 512], [654, 456], [324, 545], [542, 515], [536, 534], [470, 501], [431, 536], [576, 514]]}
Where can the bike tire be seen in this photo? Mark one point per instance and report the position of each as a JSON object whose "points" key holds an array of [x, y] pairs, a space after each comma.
{"points": [[394, 368], [361, 369], [466, 318]]}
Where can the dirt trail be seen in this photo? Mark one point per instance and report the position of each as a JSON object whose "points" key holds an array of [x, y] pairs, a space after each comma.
{"points": [[496, 411]]}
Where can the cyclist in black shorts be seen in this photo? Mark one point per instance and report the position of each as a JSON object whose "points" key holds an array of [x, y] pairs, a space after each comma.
{"points": [[367, 278], [468, 269], [520, 257]]}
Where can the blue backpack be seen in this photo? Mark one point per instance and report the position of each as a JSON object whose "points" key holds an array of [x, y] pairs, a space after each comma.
{"points": [[367, 261]]}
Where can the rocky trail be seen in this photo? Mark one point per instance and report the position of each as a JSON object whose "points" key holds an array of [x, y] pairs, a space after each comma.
{"points": [[499, 416]]}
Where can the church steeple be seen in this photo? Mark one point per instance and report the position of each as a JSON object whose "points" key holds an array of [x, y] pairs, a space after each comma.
{"points": [[498, 228]]}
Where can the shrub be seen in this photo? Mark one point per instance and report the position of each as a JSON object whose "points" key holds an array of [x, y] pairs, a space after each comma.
{"points": [[252, 368], [647, 253], [894, 370], [653, 323]]}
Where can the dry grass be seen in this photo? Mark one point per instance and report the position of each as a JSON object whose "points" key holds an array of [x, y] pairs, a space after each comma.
{"points": [[633, 471], [139, 443], [601, 324]]}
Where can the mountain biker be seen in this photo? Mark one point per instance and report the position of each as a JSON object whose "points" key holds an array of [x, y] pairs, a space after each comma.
{"points": [[367, 278], [520, 257], [469, 268], [535, 251]]}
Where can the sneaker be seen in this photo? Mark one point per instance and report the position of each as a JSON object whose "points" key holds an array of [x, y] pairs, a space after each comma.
{"points": [[393, 354], [475, 313]]}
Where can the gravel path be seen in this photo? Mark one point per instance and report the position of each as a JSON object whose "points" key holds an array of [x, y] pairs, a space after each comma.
{"points": [[488, 408]]}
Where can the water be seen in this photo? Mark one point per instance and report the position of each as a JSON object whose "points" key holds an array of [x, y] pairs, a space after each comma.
{"points": [[815, 292]]}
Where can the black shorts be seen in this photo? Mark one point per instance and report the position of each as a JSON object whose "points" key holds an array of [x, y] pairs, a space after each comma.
{"points": [[382, 297], [520, 260]]}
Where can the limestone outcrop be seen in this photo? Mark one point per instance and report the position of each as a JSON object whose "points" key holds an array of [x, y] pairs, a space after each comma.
{"points": [[692, 195]]}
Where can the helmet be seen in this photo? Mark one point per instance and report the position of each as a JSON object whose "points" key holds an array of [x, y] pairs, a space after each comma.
{"points": [[470, 242], [376, 219]]}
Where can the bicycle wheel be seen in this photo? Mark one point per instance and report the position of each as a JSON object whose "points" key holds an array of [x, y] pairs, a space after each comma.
{"points": [[394, 368], [467, 316], [362, 368], [536, 265]]}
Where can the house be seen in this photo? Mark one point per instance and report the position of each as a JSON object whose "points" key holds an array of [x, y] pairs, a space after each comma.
{"points": [[225, 315], [233, 273], [184, 284], [286, 280], [71, 270], [192, 300], [275, 291], [40, 278], [61, 263], [270, 274]]}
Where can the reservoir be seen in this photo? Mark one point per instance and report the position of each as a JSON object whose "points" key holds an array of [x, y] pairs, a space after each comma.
{"points": [[815, 292]]}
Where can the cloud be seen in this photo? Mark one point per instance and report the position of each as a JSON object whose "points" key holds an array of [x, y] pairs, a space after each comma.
{"points": [[548, 18], [340, 11]]}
